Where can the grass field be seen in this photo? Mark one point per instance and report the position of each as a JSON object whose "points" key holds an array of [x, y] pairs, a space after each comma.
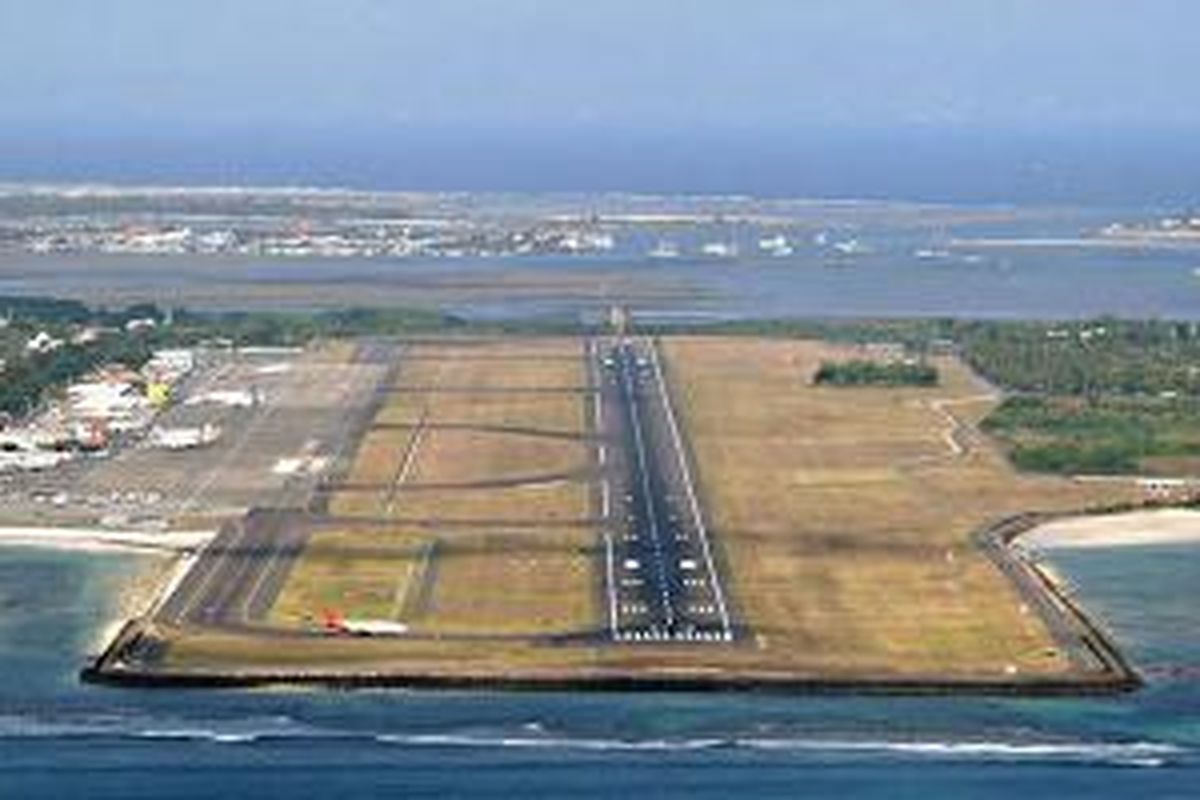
{"points": [[449, 449], [498, 583], [379, 456], [480, 408], [844, 517], [557, 502], [358, 573], [449, 582], [477, 430], [845, 513], [452, 455]]}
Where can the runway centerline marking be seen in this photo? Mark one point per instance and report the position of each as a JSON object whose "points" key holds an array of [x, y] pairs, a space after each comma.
{"points": [[685, 471], [647, 495]]}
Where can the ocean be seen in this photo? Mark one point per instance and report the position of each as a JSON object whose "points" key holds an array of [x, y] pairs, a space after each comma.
{"points": [[60, 738], [1089, 164]]}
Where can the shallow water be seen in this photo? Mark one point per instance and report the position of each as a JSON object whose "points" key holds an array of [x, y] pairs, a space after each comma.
{"points": [[890, 280], [60, 738]]}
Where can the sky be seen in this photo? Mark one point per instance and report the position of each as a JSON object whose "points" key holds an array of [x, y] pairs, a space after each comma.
{"points": [[642, 64], [173, 70]]}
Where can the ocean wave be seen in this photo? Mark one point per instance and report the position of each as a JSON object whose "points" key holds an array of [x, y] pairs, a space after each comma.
{"points": [[202, 734], [1133, 753], [1144, 754], [547, 742], [119, 726], [536, 735]]}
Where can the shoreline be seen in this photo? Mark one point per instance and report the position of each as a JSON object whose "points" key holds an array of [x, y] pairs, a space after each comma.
{"points": [[96, 540], [1099, 666], [742, 683], [137, 594], [1130, 529], [1092, 650], [1078, 243]]}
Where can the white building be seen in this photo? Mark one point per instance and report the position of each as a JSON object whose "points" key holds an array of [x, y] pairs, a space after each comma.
{"points": [[43, 342], [719, 250], [142, 324], [777, 245], [186, 438], [171, 364], [105, 400], [232, 398]]}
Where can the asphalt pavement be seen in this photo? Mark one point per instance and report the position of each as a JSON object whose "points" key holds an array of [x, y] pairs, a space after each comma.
{"points": [[662, 576]]}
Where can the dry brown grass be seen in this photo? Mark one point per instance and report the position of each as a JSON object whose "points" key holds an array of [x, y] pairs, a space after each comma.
{"points": [[450, 456], [520, 347], [846, 515], [379, 456], [447, 454], [550, 412], [357, 504], [559, 501], [499, 583], [552, 501], [500, 364]]}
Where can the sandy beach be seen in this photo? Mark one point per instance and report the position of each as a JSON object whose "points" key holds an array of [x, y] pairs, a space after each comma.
{"points": [[95, 539], [1165, 526]]}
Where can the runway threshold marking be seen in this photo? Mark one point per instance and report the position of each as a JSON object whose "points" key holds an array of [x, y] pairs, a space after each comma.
{"points": [[647, 496]]}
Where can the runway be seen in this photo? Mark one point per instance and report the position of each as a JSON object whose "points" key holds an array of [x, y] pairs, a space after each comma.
{"points": [[237, 577], [662, 577]]}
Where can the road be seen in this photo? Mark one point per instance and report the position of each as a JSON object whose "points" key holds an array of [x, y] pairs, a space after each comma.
{"points": [[662, 577]]}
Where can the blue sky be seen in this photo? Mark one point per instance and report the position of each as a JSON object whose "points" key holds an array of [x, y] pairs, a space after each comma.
{"points": [[646, 65]]}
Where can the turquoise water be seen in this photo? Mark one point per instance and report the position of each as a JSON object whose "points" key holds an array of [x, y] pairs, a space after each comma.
{"points": [[59, 738]]}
